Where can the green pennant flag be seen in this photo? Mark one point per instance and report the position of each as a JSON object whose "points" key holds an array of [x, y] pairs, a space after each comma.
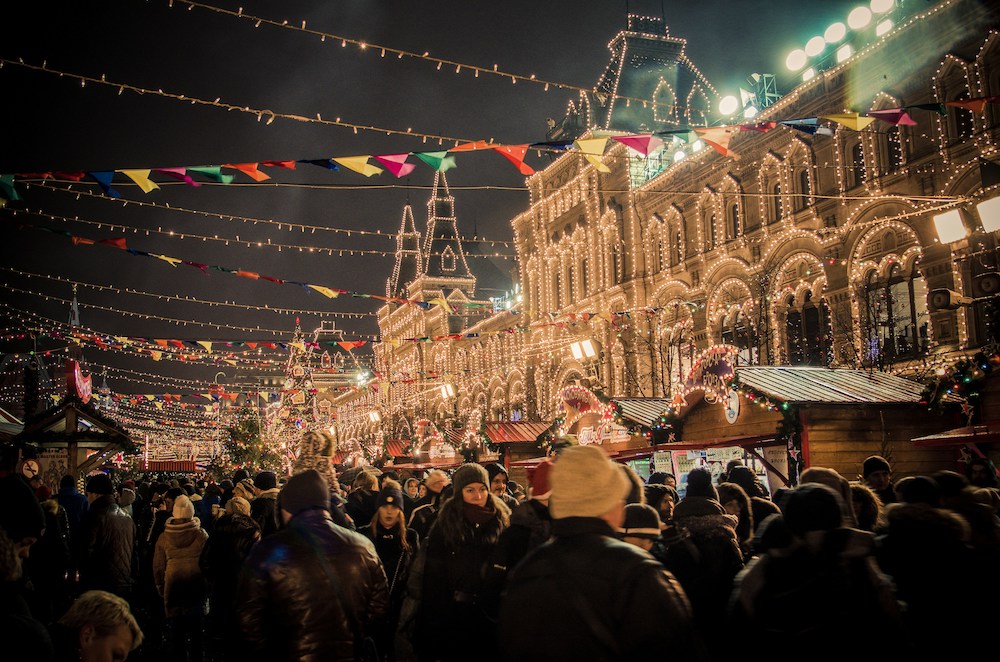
{"points": [[7, 189], [933, 107], [440, 161], [214, 173]]}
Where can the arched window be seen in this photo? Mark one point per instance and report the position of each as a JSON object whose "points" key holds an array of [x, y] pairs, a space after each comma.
{"points": [[802, 196], [738, 330], [776, 202], [857, 167], [711, 235], [963, 124], [734, 221], [896, 316], [793, 333]]}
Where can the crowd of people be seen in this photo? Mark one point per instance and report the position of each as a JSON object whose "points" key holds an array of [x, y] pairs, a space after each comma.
{"points": [[590, 562]]}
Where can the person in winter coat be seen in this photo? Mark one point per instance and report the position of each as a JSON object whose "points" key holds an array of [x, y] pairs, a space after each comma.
{"points": [[396, 546], [425, 510], [233, 536], [498, 484], [75, 503], [450, 619], [313, 590], [49, 563], [179, 581], [760, 504], [264, 506], [584, 595], [104, 544], [736, 502], [361, 502], [817, 583], [707, 557]]}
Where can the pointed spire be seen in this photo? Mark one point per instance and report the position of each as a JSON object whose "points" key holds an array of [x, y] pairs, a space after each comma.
{"points": [[409, 259], [443, 253], [74, 310]]}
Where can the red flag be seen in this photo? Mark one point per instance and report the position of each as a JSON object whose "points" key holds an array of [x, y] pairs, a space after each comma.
{"points": [[515, 154]]}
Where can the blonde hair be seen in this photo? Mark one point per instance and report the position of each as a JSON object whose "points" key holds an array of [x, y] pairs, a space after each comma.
{"points": [[365, 480], [105, 612]]}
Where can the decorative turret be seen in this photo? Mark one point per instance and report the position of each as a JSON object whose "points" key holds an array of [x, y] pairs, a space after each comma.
{"points": [[444, 265], [409, 259]]}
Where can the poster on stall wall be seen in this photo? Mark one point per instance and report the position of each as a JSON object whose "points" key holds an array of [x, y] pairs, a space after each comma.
{"points": [[713, 459], [778, 457], [661, 461], [52, 466]]}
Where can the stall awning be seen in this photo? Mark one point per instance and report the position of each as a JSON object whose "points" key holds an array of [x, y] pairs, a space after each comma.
{"points": [[422, 466], [972, 434], [720, 442], [515, 432], [187, 466], [395, 447], [807, 384], [642, 411]]}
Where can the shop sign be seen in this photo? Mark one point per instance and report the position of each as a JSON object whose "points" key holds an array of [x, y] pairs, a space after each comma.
{"points": [[713, 373]]}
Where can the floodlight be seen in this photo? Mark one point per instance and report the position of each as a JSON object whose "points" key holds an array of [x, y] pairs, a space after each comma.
{"points": [[815, 46], [844, 52], [989, 214], [808, 74], [881, 6], [697, 146], [950, 227], [796, 59], [835, 33], [679, 155], [728, 105], [883, 27], [859, 18], [750, 112]]}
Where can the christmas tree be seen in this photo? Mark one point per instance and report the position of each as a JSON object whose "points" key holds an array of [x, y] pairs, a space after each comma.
{"points": [[245, 446], [297, 410]]}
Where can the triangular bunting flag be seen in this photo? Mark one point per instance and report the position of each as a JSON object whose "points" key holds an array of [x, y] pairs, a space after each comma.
{"points": [[249, 169], [288, 165], [206, 344], [396, 164], [718, 138], [893, 116], [472, 147], [103, 180], [7, 188], [592, 150], [515, 154], [322, 163], [214, 173], [179, 174], [247, 274], [359, 164], [117, 243], [172, 261], [325, 291], [975, 105], [440, 161], [643, 143], [850, 120]]}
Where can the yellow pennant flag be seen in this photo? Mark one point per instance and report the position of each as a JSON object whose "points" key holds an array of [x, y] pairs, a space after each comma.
{"points": [[206, 344], [592, 150], [230, 361], [156, 355], [141, 178], [301, 346], [325, 291], [439, 301], [850, 120], [159, 405], [150, 397], [358, 164], [172, 261]]}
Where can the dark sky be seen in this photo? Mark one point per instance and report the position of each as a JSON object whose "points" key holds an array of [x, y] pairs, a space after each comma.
{"points": [[53, 123]]}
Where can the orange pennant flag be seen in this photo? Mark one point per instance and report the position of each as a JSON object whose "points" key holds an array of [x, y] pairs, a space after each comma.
{"points": [[81, 240], [161, 343], [718, 138], [975, 105], [249, 169], [248, 274], [472, 147], [515, 154]]}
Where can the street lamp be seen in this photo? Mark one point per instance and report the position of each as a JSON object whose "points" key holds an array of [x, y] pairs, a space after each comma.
{"points": [[447, 391], [950, 227], [583, 349], [374, 416]]}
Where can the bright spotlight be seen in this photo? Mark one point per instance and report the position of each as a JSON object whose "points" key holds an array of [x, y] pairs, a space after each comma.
{"points": [[750, 112], [796, 59], [808, 74], [950, 227], [679, 155], [989, 214], [697, 146], [844, 52], [815, 46], [881, 6], [859, 18], [728, 105], [835, 33], [883, 27]]}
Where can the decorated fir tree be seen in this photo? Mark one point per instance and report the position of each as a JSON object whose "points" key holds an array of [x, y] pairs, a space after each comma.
{"points": [[244, 445]]}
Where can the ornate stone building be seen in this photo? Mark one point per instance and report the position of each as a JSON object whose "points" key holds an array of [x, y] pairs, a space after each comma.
{"points": [[817, 245]]}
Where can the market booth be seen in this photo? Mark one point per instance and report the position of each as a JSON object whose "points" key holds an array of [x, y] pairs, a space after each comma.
{"points": [[72, 437]]}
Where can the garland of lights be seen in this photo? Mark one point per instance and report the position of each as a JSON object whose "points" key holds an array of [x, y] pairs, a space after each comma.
{"points": [[965, 379]]}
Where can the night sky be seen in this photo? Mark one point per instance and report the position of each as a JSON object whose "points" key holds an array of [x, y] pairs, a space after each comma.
{"points": [[53, 123]]}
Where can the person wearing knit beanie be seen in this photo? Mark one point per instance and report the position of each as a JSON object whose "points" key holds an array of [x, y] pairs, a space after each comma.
{"points": [[700, 484], [539, 487], [183, 508], [877, 474], [467, 474], [304, 491], [586, 483], [641, 527], [238, 505], [100, 484], [21, 516]]}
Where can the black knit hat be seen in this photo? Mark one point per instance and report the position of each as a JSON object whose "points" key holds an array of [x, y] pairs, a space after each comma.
{"points": [[467, 474], [304, 491], [873, 464], [494, 470], [700, 484], [21, 515], [812, 507], [641, 521], [390, 495], [100, 484], [265, 480]]}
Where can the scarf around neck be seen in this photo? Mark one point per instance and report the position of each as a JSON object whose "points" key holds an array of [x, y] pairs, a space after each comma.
{"points": [[478, 514]]}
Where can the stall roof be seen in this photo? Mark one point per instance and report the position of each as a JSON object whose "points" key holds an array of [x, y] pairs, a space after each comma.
{"points": [[806, 384], [395, 447], [642, 410], [515, 432], [970, 434]]}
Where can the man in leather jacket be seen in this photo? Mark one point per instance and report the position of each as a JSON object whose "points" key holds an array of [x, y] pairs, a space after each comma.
{"points": [[584, 595], [312, 590], [104, 543]]}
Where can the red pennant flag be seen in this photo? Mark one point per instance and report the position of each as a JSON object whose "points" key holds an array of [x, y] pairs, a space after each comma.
{"points": [[290, 165], [74, 176], [161, 343], [273, 280], [117, 243], [178, 344], [893, 116], [252, 345], [81, 240], [471, 147], [346, 345], [515, 154]]}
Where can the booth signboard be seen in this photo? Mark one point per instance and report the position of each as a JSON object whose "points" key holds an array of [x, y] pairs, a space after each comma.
{"points": [[777, 457], [713, 373], [602, 434], [53, 466], [661, 461]]}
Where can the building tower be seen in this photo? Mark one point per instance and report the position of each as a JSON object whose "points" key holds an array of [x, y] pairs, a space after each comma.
{"points": [[409, 259], [444, 268]]}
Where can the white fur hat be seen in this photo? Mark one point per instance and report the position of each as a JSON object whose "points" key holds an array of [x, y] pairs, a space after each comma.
{"points": [[183, 508], [585, 483]]}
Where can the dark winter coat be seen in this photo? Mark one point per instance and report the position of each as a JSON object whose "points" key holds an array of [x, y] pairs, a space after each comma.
{"points": [[824, 590], [264, 510], [176, 571], [451, 619], [396, 561], [48, 565], [76, 506], [705, 558], [289, 606], [584, 569], [233, 536], [425, 511], [530, 526], [361, 506], [103, 548]]}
